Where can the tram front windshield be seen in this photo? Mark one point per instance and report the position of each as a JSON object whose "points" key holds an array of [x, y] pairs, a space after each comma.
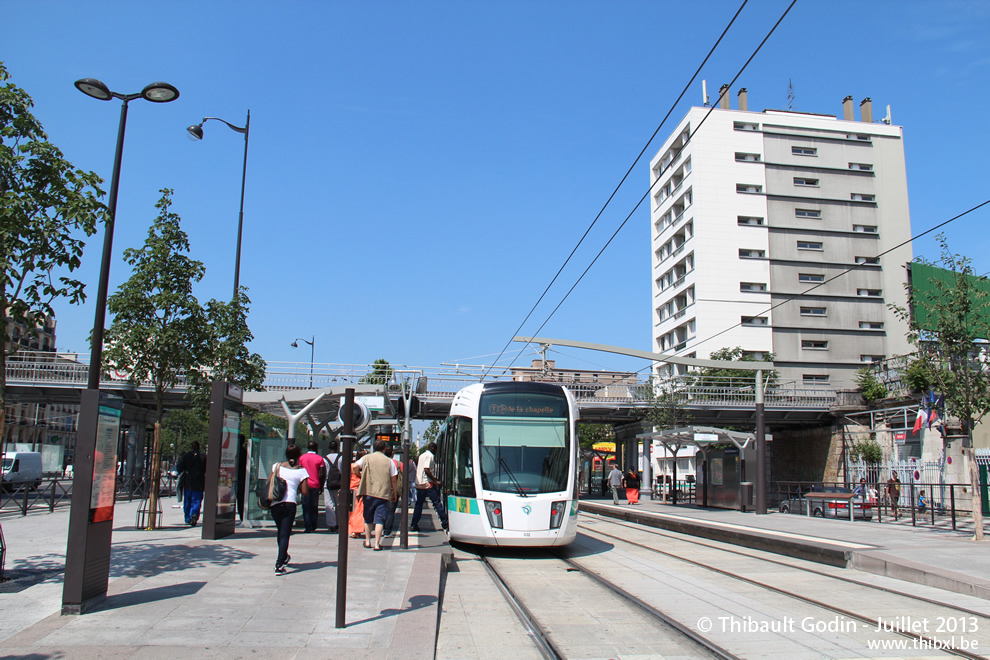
{"points": [[523, 442]]}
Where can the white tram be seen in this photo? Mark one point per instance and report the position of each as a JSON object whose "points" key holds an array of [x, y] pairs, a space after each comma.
{"points": [[507, 460]]}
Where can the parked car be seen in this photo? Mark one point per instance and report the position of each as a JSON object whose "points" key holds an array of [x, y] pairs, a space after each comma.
{"points": [[825, 507]]}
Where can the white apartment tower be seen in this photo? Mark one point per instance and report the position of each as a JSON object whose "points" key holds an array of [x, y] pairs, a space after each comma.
{"points": [[750, 209]]}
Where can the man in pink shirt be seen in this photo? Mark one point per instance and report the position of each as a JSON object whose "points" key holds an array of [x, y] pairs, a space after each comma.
{"points": [[313, 463]]}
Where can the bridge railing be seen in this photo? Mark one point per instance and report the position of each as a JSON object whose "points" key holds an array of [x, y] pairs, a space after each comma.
{"points": [[68, 370]]}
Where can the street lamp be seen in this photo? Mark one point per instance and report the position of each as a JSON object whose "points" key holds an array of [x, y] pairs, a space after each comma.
{"points": [[312, 354], [157, 92], [196, 134]]}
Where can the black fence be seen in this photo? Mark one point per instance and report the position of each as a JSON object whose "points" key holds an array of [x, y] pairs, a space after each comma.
{"points": [[54, 492], [928, 504]]}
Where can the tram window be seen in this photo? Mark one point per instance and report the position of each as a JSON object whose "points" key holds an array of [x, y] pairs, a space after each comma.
{"points": [[524, 443], [462, 467]]}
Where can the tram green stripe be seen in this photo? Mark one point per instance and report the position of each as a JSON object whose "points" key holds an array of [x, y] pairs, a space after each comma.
{"points": [[462, 505]]}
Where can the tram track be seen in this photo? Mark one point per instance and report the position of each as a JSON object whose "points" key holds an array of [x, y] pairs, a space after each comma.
{"points": [[786, 564], [830, 607], [554, 641]]}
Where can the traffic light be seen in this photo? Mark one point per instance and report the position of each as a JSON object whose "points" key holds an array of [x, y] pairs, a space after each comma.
{"points": [[362, 417]]}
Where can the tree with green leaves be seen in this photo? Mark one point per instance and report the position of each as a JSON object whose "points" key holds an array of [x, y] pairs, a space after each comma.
{"points": [[871, 388], [180, 428], [431, 432], [591, 434], [46, 205], [159, 330], [950, 326], [381, 373], [227, 356], [717, 377]]}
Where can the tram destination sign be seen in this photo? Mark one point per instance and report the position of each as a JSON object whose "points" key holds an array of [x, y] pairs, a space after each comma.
{"points": [[514, 405]]}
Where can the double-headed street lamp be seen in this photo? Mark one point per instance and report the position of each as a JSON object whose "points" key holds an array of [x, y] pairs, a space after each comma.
{"points": [[157, 92], [312, 355], [196, 133], [87, 556]]}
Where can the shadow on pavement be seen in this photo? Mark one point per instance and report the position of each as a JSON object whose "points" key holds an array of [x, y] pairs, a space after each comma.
{"points": [[415, 603], [152, 595]]}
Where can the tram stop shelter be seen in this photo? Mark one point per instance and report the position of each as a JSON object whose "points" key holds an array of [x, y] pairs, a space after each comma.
{"points": [[721, 474]]}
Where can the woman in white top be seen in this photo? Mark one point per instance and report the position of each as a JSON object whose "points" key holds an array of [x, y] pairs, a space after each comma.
{"points": [[284, 511]]}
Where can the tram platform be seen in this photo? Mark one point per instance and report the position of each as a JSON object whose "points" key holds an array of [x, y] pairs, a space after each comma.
{"points": [[932, 556], [172, 594]]}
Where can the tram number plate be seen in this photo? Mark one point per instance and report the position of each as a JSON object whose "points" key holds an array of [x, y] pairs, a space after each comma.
{"points": [[526, 534]]}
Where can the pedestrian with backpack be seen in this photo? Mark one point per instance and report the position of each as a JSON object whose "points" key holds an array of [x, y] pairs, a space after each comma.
{"points": [[332, 487]]}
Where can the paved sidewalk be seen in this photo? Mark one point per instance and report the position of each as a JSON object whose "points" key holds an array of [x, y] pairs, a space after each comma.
{"points": [[172, 594]]}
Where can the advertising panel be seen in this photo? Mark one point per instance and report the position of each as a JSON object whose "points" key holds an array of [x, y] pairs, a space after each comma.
{"points": [[105, 465]]}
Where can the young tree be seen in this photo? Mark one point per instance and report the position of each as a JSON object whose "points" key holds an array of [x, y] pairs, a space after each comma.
{"points": [[159, 330], [381, 373], [46, 205], [950, 327], [227, 356], [591, 434]]}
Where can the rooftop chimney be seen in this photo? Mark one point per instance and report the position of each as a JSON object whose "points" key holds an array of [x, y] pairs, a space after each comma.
{"points": [[743, 102], [723, 97], [866, 110], [847, 108]]}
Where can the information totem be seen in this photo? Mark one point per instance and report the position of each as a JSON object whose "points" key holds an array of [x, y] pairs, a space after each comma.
{"points": [[224, 443]]}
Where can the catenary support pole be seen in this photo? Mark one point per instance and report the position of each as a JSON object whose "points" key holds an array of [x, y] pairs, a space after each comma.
{"points": [[344, 506], [761, 448]]}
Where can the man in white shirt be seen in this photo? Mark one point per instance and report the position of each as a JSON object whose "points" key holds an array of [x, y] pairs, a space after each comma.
{"points": [[615, 483], [427, 486]]}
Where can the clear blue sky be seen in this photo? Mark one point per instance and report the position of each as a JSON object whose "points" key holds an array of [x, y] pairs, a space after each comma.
{"points": [[419, 171]]}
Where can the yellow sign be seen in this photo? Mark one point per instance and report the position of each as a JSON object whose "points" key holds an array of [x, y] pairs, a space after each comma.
{"points": [[604, 446]]}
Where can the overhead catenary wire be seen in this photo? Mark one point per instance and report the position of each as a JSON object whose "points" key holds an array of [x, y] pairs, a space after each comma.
{"points": [[658, 178], [621, 182]]}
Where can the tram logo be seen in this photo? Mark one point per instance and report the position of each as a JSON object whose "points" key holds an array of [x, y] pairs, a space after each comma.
{"points": [[527, 509]]}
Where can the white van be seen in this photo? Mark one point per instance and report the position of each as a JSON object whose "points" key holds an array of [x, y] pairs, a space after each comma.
{"points": [[22, 467]]}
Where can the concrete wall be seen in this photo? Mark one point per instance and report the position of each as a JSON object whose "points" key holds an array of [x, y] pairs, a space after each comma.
{"points": [[805, 454]]}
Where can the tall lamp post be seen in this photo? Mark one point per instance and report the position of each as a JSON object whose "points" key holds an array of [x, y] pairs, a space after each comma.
{"points": [[196, 133], [87, 556], [157, 92], [312, 354]]}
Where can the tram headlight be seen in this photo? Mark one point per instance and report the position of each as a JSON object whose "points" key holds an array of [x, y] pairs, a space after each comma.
{"points": [[494, 511], [557, 511]]}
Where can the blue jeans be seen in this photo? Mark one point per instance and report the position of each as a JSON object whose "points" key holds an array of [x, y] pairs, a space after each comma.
{"points": [[192, 502], [434, 494]]}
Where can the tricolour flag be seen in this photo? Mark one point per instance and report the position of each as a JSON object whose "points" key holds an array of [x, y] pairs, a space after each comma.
{"points": [[920, 420]]}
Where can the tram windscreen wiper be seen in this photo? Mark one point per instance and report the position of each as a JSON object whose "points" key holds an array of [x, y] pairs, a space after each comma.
{"points": [[515, 481]]}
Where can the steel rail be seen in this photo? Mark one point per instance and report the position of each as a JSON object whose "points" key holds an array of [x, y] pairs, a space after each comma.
{"points": [[811, 601]]}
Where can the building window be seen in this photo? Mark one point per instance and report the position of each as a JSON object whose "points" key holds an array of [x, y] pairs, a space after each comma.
{"points": [[860, 137], [810, 277], [804, 181], [815, 379], [744, 126], [809, 245], [747, 158], [753, 320], [866, 229], [871, 293], [749, 221], [814, 344], [807, 213], [814, 311], [804, 151], [873, 261], [752, 286], [871, 325], [748, 188], [857, 197], [752, 254], [865, 167], [871, 358]]}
